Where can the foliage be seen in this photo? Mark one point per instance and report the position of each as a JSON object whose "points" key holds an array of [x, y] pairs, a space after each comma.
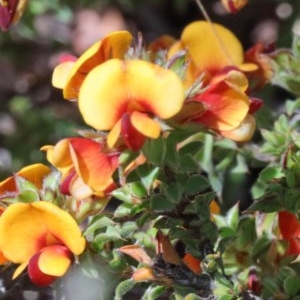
{"points": [[145, 202]]}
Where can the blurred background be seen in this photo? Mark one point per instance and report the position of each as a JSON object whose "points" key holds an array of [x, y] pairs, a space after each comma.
{"points": [[33, 113]]}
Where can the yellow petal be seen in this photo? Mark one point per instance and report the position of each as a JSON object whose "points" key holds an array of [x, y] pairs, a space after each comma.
{"points": [[114, 135], [114, 45], [79, 189], [143, 274], [61, 74], [211, 46], [243, 132], [34, 173], [248, 67], [20, 269], [92, 165], [54, 261], [116, 87], [59, 155], [237, 79], [226, 107], [32, 226], [145, 125]]}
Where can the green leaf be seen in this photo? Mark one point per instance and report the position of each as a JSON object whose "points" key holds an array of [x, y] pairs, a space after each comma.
{"points": [[188, 163], [192, 297], [23, 184], [246, 233], [123, 288], [28, 196], [174, 192], [225, 297], [260, 246], [153, 292], [270, 288], [195, 184], [123, 194], [204, 156], [269, 202], [232, 216], [291, 285], [118, 263], [223, 287], [155, 151], [220, 221], [148, 174], [227, 232], [127, 229], [97, 223], [138, 189], [52, 181], [161, 202], [292, 105], [270, 173]]}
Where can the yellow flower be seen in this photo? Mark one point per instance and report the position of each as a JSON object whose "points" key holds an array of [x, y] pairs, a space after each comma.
{"points": [[124, 96], [70, 74], [41, 236], [34, 173], [86, 169], [210, 48], [221, 106]]}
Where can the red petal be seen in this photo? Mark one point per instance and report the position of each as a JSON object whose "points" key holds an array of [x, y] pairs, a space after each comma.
{"points": [[255, 105], [132, 138], [65, 184], [36, 275]]}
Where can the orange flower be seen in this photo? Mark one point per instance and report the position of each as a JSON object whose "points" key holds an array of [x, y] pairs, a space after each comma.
{"points": [[221, 106], [47, 236], [259, 54], [10, 12], [86, 169], [124, 96], [210, 48], [70, 74], [289, 227], [233, 6], [34, 173]]}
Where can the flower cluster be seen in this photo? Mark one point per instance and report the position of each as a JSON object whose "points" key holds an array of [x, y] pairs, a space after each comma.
{"points": [[143, 175]]}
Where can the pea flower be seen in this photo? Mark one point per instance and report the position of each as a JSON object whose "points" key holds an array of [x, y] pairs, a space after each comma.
{"points": [[222, 106], [42, 237], [34, 173], [125, 97], [260, 55], [233, 6], [70, 74], [85, 166], [10, 12], [211, 48], [289, 227]]}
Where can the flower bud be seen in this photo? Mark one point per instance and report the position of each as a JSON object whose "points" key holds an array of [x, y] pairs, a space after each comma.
{"points": [[233, 6], [10, 12]]}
